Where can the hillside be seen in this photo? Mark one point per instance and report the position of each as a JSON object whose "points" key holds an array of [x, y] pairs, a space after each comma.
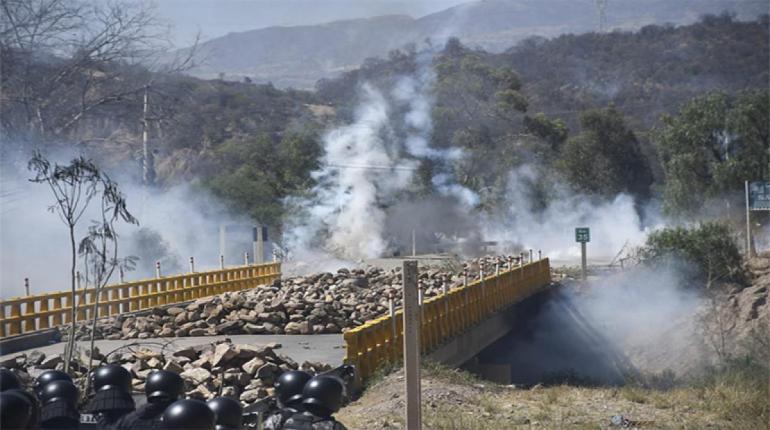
{"points": [[298, 56]]}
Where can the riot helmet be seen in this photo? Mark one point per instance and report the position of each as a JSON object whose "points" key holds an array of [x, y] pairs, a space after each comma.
{"points": [[188, 415], [288, 387], [9, 380], [112, 377], [15, 410], [228, 413], [59, 390], [49, 376], [163, 386], [323, 395]]}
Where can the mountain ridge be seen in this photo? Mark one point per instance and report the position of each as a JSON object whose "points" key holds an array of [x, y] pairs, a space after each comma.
{"points": [[298, 56]]}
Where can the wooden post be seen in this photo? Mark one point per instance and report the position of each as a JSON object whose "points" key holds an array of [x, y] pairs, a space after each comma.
{"points": [[411, 346]]}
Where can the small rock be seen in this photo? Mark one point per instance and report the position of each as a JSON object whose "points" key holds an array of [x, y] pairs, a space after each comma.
{"points": [[196, 375]]}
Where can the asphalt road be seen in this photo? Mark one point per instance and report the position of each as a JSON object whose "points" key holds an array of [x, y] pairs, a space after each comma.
{"points": [[325, 348]]}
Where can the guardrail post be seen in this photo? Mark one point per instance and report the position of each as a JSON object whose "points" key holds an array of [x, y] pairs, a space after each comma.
{"points": [[15, 313], [29, 314], [2, 321], [44, 317]]}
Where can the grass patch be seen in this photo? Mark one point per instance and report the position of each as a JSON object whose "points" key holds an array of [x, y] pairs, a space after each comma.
{"points": [[439, 371], [738, 392], [634, 394]]}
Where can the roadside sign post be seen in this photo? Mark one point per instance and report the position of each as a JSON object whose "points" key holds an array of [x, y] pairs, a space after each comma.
{"points": [[583, 235], [757, 199], [412, 346]]}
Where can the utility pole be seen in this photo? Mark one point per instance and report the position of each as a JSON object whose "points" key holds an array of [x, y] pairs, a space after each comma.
{"points": [[148, 168], [601, 11]]}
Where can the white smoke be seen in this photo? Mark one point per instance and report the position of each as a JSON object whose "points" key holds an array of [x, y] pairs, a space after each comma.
{"points": [[175, 224], [615, 224], [365, 167]]}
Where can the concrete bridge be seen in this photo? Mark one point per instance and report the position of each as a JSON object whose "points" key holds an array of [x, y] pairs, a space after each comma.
{"points": [[456, 326]]}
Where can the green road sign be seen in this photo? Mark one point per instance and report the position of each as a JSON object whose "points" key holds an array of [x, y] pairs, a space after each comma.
{"points": [[759, 196], [582, 234]]}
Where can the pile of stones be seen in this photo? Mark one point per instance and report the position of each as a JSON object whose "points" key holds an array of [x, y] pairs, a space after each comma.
{"points": [[246, 372], [311, 304]]}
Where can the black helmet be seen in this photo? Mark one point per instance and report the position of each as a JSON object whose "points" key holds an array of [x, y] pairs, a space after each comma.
{"points": [[323, 395], [8, 380], [15, 410], [188, 415], [59, 390], [163, 385], [288, 387], [112, 376], [47, 377], [228, 412]]}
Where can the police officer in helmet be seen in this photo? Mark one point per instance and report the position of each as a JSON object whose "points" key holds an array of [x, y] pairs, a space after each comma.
{"points": [[9, 381], [188, 415], [322, 398], [162, 389], [59, 400], [288, 391], [112, 398], [228, 413], [15, 410], [47, 377]]}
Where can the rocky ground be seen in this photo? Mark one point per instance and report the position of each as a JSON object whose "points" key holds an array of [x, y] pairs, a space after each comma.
{"points": [[246, 372], [310, 304]]}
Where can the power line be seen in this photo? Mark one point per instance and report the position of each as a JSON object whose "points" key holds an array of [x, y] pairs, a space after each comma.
{"points": [[370, 167]]}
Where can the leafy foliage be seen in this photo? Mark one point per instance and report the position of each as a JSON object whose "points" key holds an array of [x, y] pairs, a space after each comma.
{"points": [[255, 174], [712, 146], [709, 249], [605, 159]]}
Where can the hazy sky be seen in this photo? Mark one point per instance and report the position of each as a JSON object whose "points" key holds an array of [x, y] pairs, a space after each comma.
{"points": [[218, 17]]}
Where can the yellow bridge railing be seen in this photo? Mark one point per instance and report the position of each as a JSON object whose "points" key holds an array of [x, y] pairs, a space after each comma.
{"points": [[37, 312], [380, 341]]}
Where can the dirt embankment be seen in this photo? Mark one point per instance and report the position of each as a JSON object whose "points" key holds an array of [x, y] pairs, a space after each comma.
{"points": [[455, 400]]}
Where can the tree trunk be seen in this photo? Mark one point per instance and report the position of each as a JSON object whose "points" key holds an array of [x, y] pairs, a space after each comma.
{"points": [[73, 308]]}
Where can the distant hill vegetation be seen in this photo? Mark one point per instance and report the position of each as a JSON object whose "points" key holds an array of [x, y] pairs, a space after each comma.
{"points": [[298, 56]]}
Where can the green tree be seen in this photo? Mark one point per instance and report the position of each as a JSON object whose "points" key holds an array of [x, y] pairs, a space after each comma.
{"points": [[552, 131], [254, 174], [605, 158], [708, 250], [714, 144]]}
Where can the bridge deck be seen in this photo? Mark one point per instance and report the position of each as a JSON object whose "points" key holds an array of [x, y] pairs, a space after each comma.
{"points": [[325, 348]]}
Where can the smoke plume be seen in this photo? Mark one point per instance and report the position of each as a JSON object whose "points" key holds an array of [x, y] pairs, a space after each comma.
{"points": [[175, 224]]}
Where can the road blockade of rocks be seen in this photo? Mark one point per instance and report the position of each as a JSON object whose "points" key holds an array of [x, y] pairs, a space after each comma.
{"points": [[311, 304]]}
